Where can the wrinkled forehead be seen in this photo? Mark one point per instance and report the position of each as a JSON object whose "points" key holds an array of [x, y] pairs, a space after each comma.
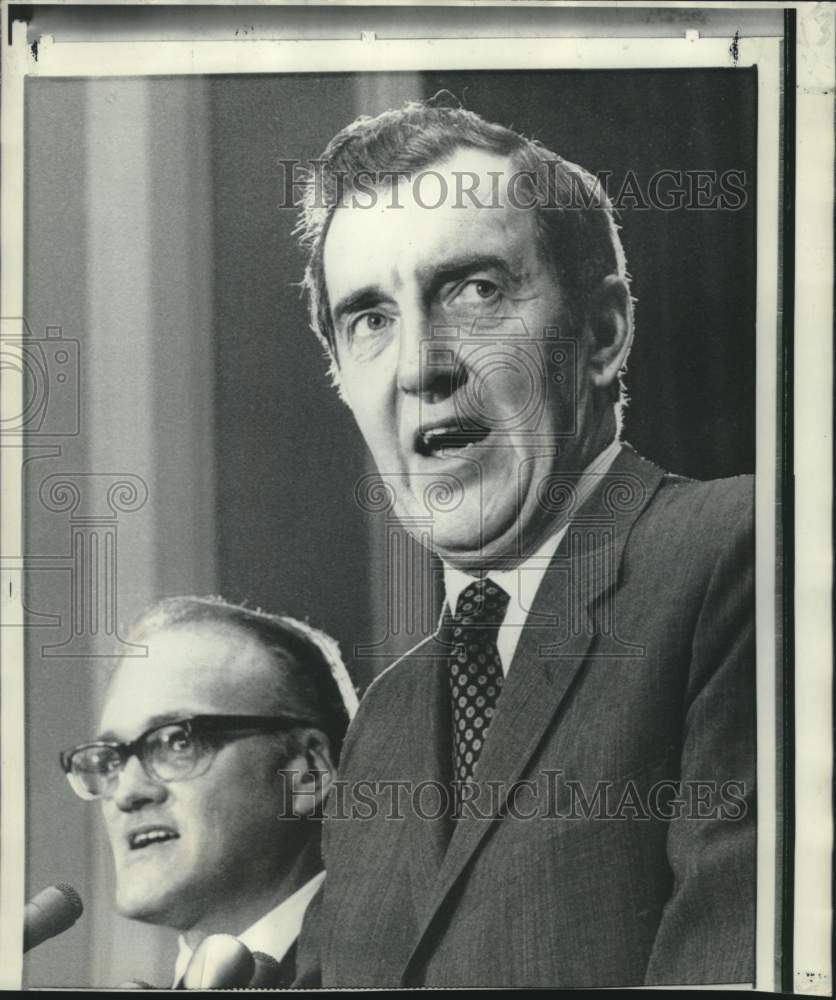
{"points": [[467, 176], [189, 670], [471, 202]]}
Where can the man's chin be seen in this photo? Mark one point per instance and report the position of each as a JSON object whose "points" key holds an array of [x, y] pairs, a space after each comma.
{"points": [[139, 905], [471, 537], [499, 548], [502, 543], [143, 910]]}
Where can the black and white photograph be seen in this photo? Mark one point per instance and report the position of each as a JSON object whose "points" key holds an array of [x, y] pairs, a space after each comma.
{"points": [[404, 505]]}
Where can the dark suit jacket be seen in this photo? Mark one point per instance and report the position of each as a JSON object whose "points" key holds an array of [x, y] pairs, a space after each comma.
{"points": [[628, 711]]}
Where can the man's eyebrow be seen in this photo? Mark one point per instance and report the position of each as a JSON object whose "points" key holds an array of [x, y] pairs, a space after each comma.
{"points": [[363, 298], [456, 268], [156, 720], [434, 276]]}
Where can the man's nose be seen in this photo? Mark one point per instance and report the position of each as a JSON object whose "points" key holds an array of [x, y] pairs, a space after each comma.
{"points": [[429, 359], [134, 788]]}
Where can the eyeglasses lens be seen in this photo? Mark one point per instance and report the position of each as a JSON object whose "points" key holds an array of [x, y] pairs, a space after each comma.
{"points": [[94, 770], [173, 752], [169, 753]]}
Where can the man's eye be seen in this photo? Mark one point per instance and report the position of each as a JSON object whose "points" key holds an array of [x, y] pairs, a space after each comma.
{"points": [[485, 289], [104, 760], [109, 763], [479, 290], [177, 740], [368, 324]]}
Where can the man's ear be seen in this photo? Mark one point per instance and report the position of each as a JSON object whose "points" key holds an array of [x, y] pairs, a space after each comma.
{"points": [[610, 323], [311, 772]]}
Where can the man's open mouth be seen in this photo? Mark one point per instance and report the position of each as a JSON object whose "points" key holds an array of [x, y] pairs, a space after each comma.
{"points": [[439, 438], [148, 836]]}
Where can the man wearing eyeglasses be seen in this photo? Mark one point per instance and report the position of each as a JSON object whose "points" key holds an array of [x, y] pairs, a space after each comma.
{"points": [[213, 758]]}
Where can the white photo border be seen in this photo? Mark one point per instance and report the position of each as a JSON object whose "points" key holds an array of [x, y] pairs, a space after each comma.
{"points": [[119, 59]]}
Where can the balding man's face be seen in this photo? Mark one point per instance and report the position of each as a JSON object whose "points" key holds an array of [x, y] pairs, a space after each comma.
{"points": [[447, 325], [185, 848]]}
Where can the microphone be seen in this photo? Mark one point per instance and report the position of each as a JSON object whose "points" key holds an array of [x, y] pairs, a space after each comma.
{"points": [[52, 911], [267, 972], [220, 961]]}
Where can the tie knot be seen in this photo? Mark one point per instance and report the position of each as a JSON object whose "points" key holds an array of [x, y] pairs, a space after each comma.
{"points": [[482, 602]]}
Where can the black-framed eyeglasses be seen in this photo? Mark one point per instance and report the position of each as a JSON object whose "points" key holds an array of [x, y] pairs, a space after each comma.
{"points": [[173, 751]]}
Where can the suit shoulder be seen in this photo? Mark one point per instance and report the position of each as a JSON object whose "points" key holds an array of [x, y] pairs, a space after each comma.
{"points": [[390, 697], [715, 506], [401, 675], [676, 501], [689, 523]]}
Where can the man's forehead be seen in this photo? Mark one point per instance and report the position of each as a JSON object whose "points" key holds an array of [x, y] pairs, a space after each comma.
{"points": [[451, 207], [464, 164], [469, 180], [191, 670]]}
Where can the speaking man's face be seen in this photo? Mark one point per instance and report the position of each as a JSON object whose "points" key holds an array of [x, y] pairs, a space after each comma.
{"points": [[185, 849], [451, 341]]}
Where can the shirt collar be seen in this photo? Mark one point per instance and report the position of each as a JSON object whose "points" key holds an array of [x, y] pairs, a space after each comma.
{"points": [[272, 934], [522, 582]]}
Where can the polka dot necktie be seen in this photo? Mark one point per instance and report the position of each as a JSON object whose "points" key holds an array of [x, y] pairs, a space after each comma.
{"points": [[475, 670]]}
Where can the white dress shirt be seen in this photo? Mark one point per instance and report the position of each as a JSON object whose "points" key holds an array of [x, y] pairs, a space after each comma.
{"points": [[273, 934], [522, 582]]}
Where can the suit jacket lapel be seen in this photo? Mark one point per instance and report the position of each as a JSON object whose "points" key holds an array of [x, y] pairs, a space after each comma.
{"points": [[550, 653], [427, 729], [531, 695]]}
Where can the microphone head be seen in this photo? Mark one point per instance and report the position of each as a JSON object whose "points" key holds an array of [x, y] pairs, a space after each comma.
{"points": [[220, 960], [72, 897], [267, 971], [52, 911]]}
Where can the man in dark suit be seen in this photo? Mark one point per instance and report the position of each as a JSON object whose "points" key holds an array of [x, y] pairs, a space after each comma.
{"points": [[557, 788], [214, 754]]}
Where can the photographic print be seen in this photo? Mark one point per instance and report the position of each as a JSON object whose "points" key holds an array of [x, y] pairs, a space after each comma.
{"points": [[399, 418]]}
